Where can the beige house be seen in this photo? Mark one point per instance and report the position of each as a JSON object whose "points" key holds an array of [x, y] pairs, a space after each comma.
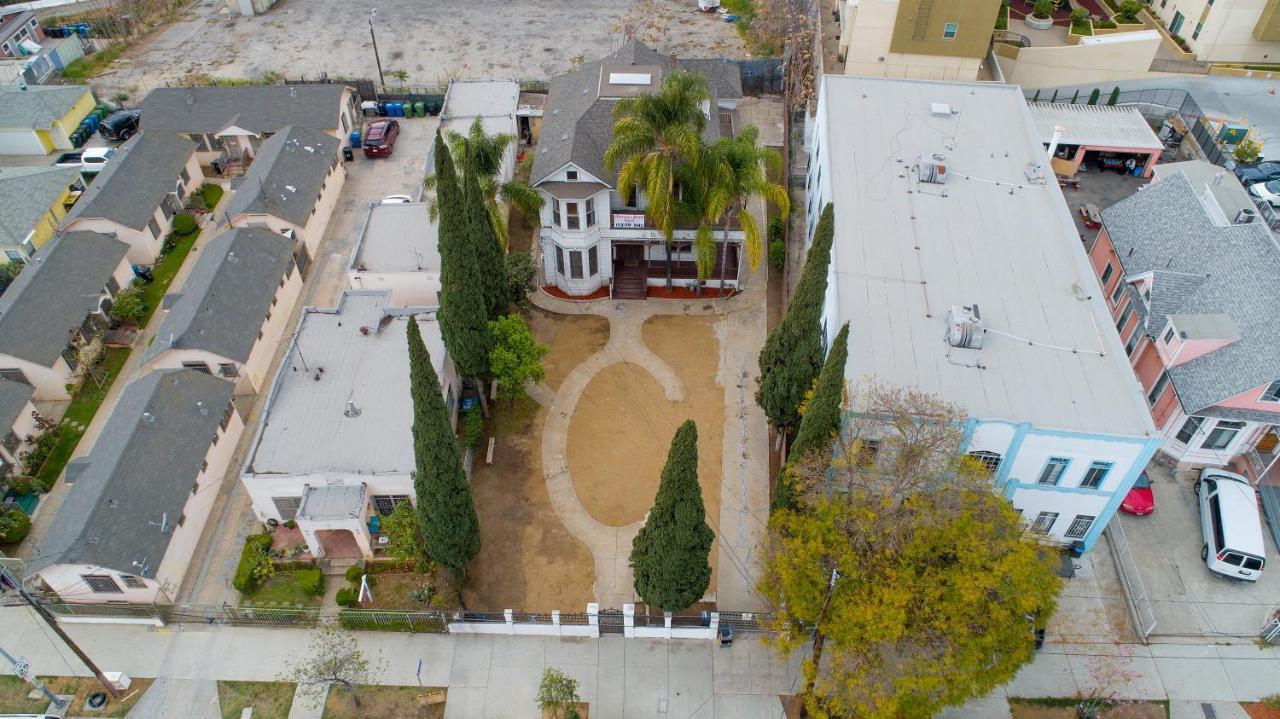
{"points": [[141, 498], [919, 39], [1224, 30], [139, 192], [60, 299], [291, 188], [232, 312], [17, 422]]}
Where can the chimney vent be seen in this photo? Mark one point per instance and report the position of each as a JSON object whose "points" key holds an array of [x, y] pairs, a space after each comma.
{"points": [[352, 410]]}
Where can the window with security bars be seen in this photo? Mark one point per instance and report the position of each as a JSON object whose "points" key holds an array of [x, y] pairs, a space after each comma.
{"points": [[1080, 526], [102, 584], [385, 504], [1044, 522], [12, 441], [14, 375], [989, 461], [133, 582], [287, 507]]}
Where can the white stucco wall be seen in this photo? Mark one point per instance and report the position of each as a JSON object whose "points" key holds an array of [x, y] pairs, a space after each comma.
{"points": [[49, 383], [408, 289]]}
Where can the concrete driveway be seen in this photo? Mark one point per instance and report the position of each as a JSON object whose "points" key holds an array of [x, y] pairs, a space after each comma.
{"points": [[1187, 598]]}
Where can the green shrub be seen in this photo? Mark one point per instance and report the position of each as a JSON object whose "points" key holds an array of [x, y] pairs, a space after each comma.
{"points": [[1002, 18], [354, 572], [14, 525], [311, 581], [1043, 9], [1104, 24], [128, 305], [290, 524], [520, 273], [255, 564], [184, 224], [389, 622], [211, 194], [1128, 13], [1115, 95], [38, 452], [777, 254], [472, 428], [347, 597], [1093, 96]]}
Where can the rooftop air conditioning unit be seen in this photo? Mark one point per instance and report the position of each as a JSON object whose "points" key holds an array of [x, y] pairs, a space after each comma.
{"points": [[1246, 215], [964, 327], [932, 170]]}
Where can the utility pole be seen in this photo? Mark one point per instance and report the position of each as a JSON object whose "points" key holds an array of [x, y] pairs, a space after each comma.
{"points": [[57, 629], [23, 669], [372, 14]]}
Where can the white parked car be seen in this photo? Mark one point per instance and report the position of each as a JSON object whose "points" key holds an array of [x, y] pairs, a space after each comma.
{"points": [[1229, 522], [1269, 191], [396, 200]]}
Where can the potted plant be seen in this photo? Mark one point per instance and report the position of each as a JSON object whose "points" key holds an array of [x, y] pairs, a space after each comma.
{"points": [[1080, 26], [1129, 14], [1041, 17]]}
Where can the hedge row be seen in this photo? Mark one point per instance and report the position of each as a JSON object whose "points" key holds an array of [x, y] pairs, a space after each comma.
{"points": [[255, 564]]}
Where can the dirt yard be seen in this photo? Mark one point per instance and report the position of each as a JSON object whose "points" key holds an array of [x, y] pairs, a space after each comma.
{"points": [[623, 425], [1065, 709], [384, 701], [429, 41], [528, 560]]}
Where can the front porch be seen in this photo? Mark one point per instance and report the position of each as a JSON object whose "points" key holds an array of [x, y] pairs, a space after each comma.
{"points": [[1258, 463], [639, 266], [334, 521]]}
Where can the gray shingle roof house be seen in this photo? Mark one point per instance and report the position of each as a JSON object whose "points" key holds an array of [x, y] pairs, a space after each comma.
{"points": [[26, 195], [135, 181], [14, 397], [1204, 268], [286, 176], [52, 295], [38, 106], [578, 120], [258, 109], [226, 296], [127, 502]]}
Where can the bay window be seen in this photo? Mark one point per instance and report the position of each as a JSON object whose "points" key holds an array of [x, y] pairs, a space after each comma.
{"points": [[571, 216], [591, 212]]}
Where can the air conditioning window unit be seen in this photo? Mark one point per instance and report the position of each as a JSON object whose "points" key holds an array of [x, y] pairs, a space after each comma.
{"points": [[964, 326]]}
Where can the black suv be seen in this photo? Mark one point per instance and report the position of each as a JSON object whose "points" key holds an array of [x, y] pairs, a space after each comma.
{"points": [[119, 125]]}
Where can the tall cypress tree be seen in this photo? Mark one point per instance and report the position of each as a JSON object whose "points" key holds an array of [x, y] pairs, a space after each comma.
{"points": [[464, 320], [446, 513], [489, 265], [821, 420], [670, 555], [792, 355]]}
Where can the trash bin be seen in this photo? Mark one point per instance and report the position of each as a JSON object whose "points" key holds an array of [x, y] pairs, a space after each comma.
{"points": [[420, 109], [354, 137], [369, 108], [726, 635], [382, 109], [347, 155]]}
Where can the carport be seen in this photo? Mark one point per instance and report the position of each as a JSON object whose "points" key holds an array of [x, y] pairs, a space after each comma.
{"points": [[1091, 132]]}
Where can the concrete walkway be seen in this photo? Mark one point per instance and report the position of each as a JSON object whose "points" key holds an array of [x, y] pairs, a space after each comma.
{"points": [[169, 697], [744, 503]]}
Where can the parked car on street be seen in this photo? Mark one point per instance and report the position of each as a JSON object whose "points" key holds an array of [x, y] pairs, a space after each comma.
{"points": [[1140, 500], [380, 138], [90, 160], [1230, 525], [1269, 191], [1261, 172], [120, 125], [396, 200]]}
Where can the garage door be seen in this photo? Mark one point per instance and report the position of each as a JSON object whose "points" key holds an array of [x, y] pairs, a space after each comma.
{"points": [[20, 142]]}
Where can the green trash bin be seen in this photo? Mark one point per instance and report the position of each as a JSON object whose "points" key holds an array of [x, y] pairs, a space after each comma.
{"points": [[420, 109]]}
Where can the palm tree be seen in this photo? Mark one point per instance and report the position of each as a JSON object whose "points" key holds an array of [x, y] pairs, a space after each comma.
{"points": [[481, 153], [736, 172], [653, 135]]}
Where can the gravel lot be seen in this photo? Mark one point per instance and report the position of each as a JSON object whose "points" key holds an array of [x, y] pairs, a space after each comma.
{"points": [[430, 41]]}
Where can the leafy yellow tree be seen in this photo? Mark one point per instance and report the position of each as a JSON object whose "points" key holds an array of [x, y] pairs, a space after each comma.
{"points": [[915, 581]]}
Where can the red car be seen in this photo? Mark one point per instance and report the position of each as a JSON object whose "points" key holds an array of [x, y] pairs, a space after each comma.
{"points": [[1140, 500], [380, 138]]}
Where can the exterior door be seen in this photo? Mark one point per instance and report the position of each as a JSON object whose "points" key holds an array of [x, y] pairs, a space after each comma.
{"points": [[629, 255]]}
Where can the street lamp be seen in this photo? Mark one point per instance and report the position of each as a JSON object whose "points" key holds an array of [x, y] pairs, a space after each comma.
{"points": [[372, 14]]}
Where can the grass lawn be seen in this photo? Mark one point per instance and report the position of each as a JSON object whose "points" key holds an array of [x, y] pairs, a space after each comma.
{"points": [[14, 691], [380, 701], [392, 591], [281, 590], [79, 413], [270, 700], [90, 65], [164, 272]]}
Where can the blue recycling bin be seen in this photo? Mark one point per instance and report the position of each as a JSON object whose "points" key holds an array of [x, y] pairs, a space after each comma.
{"points": [[355, 138]]}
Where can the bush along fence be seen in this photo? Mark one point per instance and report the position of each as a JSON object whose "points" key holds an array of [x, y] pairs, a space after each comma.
{"points": [[594, 622]]}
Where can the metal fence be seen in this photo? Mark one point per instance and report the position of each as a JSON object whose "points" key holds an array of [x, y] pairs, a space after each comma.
{"points": [[1141, 610], [761, 76]]}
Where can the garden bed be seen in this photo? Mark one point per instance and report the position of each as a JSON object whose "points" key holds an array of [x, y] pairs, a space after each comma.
{"points": [[84, 405], [165, 269], [269, 700], [14, 695], [1066, 709], [383, 701], [280, 590]]}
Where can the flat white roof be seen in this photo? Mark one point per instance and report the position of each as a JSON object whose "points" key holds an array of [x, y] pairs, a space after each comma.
{"points": [[480, 98], [306, 428], [995, 238], [398, 238], [1095, 125]]}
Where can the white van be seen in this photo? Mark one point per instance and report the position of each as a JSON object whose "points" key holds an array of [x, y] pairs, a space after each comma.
{"points": [[1229, 522]]}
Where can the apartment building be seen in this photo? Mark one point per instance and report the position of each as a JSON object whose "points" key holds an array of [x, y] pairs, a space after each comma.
{"points": [[1224, 30], [916, 38]]}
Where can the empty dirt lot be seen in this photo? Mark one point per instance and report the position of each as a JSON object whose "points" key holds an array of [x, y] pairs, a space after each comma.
{"points": [[431, 42]]}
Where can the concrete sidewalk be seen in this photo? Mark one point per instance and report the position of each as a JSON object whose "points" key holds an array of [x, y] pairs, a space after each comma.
{"points": [[497, 676]]}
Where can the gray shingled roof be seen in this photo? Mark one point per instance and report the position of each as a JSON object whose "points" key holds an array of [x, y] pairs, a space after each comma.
{"points": [[26, 193], [1201, 268], [226, 297], [13, 402], [261, 108], [37, 106], [135, 180], [578, 124], [286, 176], [54, 293], [141, 468]]}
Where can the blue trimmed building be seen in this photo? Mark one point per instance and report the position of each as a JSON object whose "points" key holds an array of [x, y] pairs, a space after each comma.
{"points": [[960, 271]]}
